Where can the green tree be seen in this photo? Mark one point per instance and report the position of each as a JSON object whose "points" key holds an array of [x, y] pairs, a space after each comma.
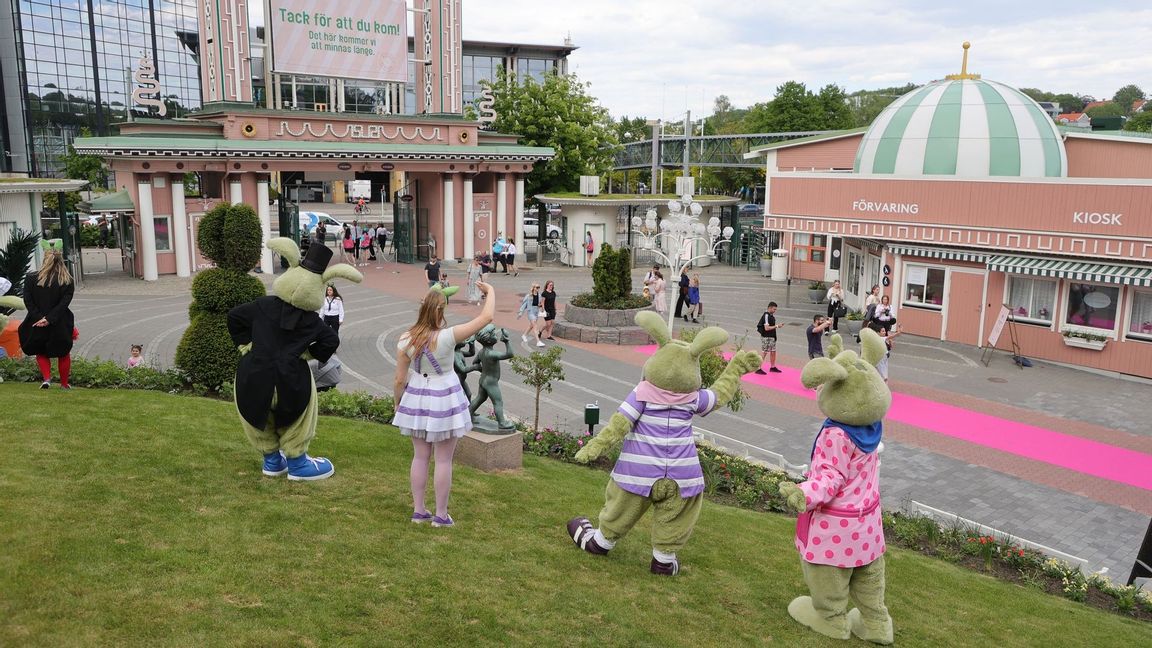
{"points": [[1110, 109], [539, 370], [794, 108], [1070, 103], [85, 167], [1126, 95], [834, 111], [559, 113], [1141, 122]]}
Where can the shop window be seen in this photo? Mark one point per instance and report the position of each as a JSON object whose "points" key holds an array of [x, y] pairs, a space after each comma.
{"points": [[1091, 306], [163, 234], [1140, 321], [1031, 300], [923, 286], [809, 247]]}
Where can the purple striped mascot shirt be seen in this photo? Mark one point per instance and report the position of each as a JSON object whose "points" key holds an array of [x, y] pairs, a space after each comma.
{"points": [[661, 443]]}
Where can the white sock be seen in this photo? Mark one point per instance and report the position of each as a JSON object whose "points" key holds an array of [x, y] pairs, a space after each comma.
{"points": [[602, 541], [663, 557]]}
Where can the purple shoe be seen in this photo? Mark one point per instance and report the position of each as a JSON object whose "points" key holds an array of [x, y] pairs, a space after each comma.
{"points": [[665, 569], [582, 533], [438, 521], [420, 518]]}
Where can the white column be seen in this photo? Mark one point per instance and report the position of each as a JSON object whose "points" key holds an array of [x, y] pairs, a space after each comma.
{"points": [[265, 222], [235, 190], [180, 228], [502, 212], [449, 242], [518, 216], [469, 221], [147, 227]]}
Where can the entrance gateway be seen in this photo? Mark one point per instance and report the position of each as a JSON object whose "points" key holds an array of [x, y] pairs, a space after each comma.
{"points": [[442, 169]]}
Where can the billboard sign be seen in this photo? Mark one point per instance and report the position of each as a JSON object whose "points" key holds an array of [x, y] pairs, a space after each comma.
{"points": [[351, 39]]}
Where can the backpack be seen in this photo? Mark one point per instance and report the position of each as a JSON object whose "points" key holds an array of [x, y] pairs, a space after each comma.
{"points": [[760, 325]]}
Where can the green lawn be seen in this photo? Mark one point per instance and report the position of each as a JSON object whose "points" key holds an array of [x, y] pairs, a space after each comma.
{"points": [[138, 518]]}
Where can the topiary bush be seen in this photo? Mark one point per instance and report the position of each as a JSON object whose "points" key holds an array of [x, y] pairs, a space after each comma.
{"points": [[230, 236]]}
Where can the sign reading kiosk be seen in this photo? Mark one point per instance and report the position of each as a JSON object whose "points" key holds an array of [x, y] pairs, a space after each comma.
{"points": [[352, 39]]}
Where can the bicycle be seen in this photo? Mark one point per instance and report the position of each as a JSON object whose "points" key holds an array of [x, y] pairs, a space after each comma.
{"points": [[557, 247], [362, 210]]}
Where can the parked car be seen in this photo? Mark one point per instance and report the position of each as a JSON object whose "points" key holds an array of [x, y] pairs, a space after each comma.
{"points": [[532, 228], [750, 210], [310, 219]]}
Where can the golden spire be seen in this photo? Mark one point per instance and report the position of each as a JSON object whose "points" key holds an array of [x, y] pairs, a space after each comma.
{"points": [[963, 67]]}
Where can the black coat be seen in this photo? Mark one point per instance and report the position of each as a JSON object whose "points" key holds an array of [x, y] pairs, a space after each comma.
{"points": [[49, 302], [280, 333]]}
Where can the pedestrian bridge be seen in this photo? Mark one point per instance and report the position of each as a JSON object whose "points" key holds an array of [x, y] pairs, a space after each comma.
{"points": [[703, 150]]}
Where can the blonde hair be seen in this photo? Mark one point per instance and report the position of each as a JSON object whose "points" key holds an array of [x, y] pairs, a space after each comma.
{"points": [[428, 322], [535, 287], [54, 270]]}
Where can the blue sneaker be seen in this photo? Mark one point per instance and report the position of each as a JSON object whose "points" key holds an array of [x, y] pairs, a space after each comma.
{"points": [[275, 464], [442, 522], [305, 468], [421, 518]]}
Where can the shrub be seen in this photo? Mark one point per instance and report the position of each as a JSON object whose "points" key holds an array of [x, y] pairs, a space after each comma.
{"points": [[590, 300], [360, 405], [712, 364], [206, 353], [218, 290], [90, 236], [230, 236]]}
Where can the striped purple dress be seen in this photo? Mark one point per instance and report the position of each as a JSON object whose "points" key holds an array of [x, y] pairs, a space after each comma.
{"points": [[433, 407], [661, 444]]}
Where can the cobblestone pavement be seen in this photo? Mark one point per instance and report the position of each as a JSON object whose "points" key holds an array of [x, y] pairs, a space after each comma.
{"points": [[1094, 519]]}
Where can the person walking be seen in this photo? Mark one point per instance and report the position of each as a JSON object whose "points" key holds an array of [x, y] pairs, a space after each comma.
{"points": [[104, 233], [589, 248], [348, 244], [767, 327], [371, 232], [818, 326], [322, 233], [659, 294], [432, 271], [381, 237], [332, 310], [683, 293], [356, 232], [549, 295], [430, 405], [835, 298], [498, 254], [49, 328], [694, 307], [510, 258], [475, 276], [531, 305], [366, 244]]}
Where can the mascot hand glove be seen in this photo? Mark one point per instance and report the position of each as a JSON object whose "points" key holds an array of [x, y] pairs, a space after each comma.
{"points": [[794, 498], [244, 348], [611, 435]]}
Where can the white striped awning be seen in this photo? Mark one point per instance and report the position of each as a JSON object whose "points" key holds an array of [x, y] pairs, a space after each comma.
{"points": [[1111, 273], [954, 254]]}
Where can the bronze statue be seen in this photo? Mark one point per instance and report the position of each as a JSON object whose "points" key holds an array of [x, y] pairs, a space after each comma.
{"points": [[488, 363], [464, 349]]}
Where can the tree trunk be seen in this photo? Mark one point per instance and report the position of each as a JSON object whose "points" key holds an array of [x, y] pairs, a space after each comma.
{"points": [[536, 421]]}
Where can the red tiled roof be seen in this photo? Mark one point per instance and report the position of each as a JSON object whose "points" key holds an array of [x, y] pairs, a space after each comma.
{"points": [[1070, 116], [1138, 105], [1096, 104]]}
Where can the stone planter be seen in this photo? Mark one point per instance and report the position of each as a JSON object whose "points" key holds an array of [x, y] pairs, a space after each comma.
{"points": [[853, 326], [817, 296], [765, 267], [601, 326], [1081, 343]]}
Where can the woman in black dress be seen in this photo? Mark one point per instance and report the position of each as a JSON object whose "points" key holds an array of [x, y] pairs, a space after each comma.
{"points": [[48, 330], [549, 296]]}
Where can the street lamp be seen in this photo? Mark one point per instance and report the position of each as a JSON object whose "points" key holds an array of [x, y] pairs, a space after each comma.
{"points": [[680, 232]]}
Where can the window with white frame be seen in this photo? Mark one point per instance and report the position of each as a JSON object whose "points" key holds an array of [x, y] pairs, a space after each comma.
{"points": [[809, 247], [1140, 319], [163, 234], [1091, 306], [1030, 299], [923, 286]]}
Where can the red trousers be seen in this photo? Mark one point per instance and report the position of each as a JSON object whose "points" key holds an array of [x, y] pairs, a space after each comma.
{"points": [[63, 363]]}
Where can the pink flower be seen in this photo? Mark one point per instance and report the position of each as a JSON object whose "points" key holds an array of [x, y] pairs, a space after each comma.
{"points": [[580, 442], [539, 436]]}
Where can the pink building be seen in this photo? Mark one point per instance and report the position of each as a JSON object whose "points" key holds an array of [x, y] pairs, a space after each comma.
{"points": [[962, 199]]}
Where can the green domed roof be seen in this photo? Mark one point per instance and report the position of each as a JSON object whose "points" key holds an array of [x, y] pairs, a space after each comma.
{"points": [[963, 127]]}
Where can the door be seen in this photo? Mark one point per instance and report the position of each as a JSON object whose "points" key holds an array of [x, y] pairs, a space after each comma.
{"points": [[962, 310], [577, 242], [481, 232]]}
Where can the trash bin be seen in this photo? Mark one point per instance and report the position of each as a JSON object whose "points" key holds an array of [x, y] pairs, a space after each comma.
{"points": [[779, 264]]}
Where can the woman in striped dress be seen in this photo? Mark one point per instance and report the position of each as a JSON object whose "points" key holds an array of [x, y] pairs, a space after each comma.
{"points": [[431, 407]]}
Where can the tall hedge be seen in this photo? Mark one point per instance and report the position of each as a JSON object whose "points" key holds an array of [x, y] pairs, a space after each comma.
{"points": [[612, 274], [230, 236]]}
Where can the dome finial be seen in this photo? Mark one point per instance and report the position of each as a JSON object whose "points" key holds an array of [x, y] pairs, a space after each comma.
{"points": [[963, 67]]}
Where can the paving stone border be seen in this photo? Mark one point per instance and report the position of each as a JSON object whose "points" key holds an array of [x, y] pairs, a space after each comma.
{"points": [[601, 326]]}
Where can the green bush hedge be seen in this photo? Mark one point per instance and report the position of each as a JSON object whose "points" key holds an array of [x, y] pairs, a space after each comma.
{"points": [[591, 300], [218, 290], [230, 236], [90, 236], [206, 353]]}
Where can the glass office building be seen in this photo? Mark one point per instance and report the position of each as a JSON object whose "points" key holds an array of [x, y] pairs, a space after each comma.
{"points": [[66, 66]]}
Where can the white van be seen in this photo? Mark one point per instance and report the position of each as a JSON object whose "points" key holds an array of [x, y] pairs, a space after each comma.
{"points": [[310, 219], [358, 189]]}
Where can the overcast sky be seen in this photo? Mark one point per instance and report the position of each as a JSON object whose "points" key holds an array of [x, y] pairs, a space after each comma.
{"points": [[657, 58]]}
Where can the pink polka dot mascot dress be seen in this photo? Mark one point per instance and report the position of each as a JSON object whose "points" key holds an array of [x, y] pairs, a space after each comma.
{"points": [[839, 532]]}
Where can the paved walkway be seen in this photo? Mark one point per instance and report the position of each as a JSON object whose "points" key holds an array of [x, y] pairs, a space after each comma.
{"points": [[990, 475]]}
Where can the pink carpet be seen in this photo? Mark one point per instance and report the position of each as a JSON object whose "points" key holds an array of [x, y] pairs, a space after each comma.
{"points": [[1040, 444]]}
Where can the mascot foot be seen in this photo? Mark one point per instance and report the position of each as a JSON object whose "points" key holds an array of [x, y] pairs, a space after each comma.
{"points": [[584, 535], [665, 568], [877, 633], [305, 468], [275, 464], [802, 610]]}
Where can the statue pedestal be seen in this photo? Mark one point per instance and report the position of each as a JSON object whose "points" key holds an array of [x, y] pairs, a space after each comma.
{"points": [[490, 452]]}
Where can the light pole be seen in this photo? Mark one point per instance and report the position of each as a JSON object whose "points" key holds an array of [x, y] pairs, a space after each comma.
{"points": [[680, 232]]}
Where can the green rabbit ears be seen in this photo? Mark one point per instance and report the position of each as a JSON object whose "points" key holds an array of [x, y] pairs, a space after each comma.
{"points": [[447, 292]]}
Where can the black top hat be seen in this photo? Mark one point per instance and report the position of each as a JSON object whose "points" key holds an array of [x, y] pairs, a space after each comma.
{"points": [[317, 258]]}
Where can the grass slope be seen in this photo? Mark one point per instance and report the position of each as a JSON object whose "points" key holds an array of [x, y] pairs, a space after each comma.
{"points": [[137, 518]]}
